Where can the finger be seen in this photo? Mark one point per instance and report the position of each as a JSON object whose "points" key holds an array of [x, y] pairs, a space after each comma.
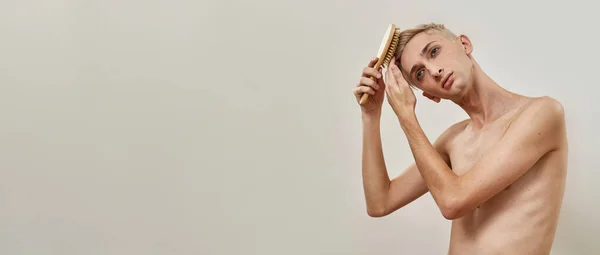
{"points": [[371, 72], [364, 81], [373, 62], [363, 89], [391, 79], [397, 75], [396, 71], [389, 87]]}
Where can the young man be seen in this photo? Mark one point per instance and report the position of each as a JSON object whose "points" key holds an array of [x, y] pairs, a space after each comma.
{"points": [[498, 175]]}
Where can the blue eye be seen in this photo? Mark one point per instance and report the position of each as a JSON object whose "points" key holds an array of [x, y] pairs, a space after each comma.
{"points": [[434, 51], [419, 74]]}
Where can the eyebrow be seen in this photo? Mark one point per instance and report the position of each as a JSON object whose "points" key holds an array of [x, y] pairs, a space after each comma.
{"points": [[422, 53]]}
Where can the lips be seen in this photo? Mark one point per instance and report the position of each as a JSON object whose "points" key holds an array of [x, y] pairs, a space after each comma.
{"points": [[448, 80]]}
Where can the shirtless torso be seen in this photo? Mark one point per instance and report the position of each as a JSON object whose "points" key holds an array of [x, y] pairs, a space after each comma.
{"points": [[499, 176], [522, 218]]}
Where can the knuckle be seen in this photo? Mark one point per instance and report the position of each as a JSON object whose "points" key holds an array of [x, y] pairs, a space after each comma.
{"points": [[366, 81]]}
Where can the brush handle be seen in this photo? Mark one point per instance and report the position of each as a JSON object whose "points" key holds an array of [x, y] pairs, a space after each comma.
{"points": [[365, 96]]}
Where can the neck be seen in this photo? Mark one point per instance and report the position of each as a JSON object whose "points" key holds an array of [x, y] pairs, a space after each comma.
{"points": [[484, 100]]}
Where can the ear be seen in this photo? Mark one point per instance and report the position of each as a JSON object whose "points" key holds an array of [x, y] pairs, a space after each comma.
{"points": [[466, 44], [432, 98]]}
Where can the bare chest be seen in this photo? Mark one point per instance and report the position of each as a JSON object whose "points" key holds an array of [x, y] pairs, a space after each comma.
{"points": [[469, 146]]}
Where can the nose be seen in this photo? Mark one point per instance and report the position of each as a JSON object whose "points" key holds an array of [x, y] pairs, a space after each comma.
{"points": [[436, 72]]}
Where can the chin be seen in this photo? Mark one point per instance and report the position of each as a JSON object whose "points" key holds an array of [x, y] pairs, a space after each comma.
{"points": [[457, 87], [455, 91]]}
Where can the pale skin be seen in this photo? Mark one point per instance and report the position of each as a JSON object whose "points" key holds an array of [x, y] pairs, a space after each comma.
{"points": [[498, 175]]}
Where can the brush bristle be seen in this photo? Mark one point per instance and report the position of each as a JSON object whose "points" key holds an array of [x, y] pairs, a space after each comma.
{"points": [[389, 55]]}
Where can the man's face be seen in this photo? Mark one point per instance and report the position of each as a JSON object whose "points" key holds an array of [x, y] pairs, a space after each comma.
{"points": [[439, 66]]}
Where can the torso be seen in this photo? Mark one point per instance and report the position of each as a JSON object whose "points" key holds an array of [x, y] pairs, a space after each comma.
{"points": [[520, 219]]}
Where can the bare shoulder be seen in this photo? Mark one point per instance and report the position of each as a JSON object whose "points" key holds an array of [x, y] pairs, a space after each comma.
{"points": [[543, 107], [542, 112], [540, 120]]}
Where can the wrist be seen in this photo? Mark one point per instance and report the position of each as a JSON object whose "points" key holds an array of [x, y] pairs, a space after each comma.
{"points": [[371, 116], [407, 117]]}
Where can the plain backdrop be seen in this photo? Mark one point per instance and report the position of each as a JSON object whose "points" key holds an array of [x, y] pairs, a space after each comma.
{"points": [[229, 127]]}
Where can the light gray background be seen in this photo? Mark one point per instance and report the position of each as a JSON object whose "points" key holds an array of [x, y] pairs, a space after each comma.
{"points": [[229, 127]]}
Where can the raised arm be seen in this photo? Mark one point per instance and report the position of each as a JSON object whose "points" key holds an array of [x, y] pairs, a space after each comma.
{"points": [[384, 196]]}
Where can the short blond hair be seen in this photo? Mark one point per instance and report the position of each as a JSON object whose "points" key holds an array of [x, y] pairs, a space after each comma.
{"points": [[408, 34]]}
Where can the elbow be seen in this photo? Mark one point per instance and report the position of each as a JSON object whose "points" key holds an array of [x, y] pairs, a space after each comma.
{"points": [[450, 213], [452, 208], [377, 212]]}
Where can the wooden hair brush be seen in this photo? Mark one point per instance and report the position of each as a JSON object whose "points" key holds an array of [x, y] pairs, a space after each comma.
{"points": [[386, 52]]}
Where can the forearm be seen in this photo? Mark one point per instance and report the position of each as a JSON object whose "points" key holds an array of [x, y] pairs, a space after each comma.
{"points": [[376, 180], [441, 181]]}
